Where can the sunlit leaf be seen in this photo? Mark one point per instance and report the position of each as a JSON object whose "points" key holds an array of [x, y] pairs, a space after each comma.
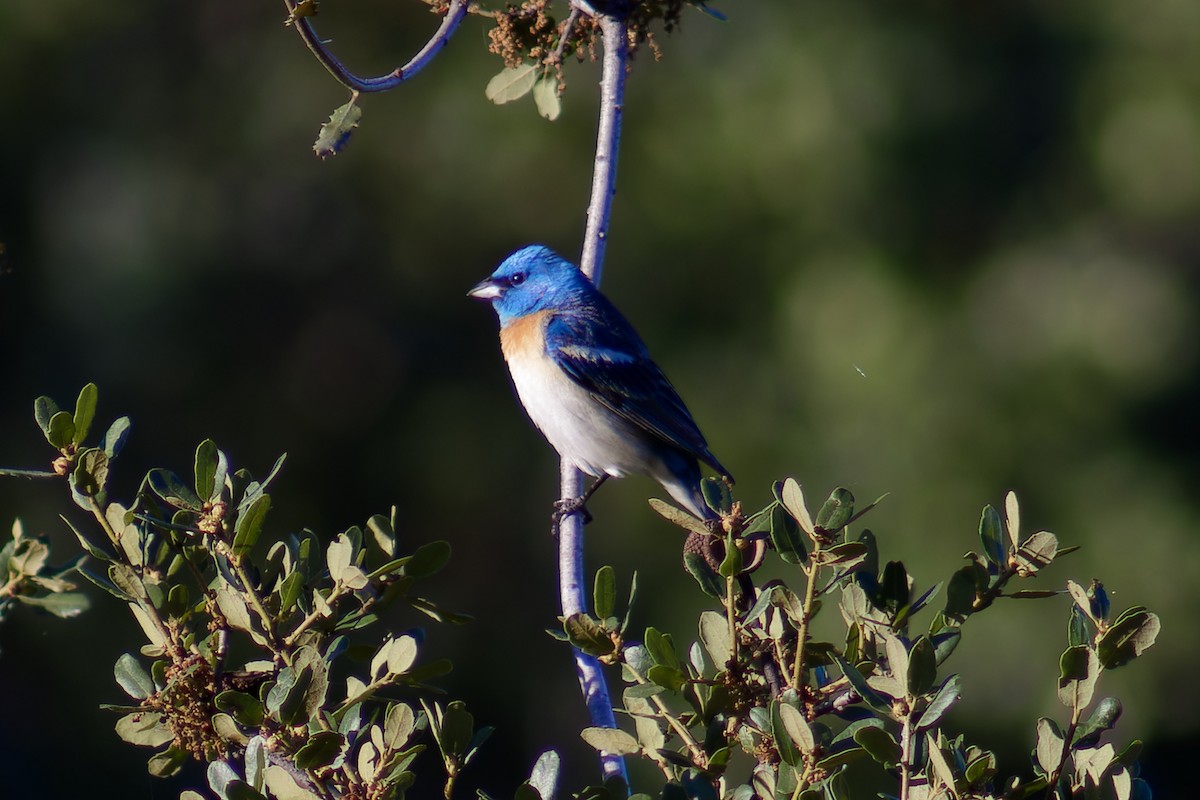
{"points": [[511, 83]]}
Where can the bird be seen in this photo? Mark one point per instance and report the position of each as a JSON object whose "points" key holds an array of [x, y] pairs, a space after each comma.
{"points": [[587, 382]]}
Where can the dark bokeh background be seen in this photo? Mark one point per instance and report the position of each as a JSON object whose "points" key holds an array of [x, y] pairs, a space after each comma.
{"points": [[938, 250]]}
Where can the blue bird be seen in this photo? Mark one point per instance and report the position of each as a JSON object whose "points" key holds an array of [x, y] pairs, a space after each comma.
{"points": [[586, 379]]}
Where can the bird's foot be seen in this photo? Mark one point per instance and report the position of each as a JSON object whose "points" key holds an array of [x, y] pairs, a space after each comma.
{"points": [[572, 505]]}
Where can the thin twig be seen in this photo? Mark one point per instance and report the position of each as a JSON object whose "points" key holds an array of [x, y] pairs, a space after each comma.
{"points": [[557, 56], [906, 754], [570, 530], [454, 15], [805, 615]]}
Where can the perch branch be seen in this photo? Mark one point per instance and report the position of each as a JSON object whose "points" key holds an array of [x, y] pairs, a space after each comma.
{"points": [[570, 531]]}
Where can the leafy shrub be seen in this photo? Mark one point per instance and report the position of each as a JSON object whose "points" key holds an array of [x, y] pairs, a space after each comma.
{"points": [[261, 659]]}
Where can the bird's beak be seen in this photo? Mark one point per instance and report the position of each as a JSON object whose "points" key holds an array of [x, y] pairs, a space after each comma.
{"points": [[486, 290]]}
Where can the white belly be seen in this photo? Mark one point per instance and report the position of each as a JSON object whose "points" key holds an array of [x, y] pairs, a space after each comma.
{"points": [[579, 428]]}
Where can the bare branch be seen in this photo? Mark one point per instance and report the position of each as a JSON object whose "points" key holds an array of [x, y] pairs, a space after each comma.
{"points": [[608, 138], [304, 26], [570, 532]]}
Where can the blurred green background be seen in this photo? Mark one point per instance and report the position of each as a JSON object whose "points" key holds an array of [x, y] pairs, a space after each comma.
{"points": [[935, 249]]}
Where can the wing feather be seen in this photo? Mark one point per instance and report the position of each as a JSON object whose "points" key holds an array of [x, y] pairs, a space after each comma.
{"points": [[600, 351]]}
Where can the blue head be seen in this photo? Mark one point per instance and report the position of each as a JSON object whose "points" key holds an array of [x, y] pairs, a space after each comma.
{"points": [[533, 279]]}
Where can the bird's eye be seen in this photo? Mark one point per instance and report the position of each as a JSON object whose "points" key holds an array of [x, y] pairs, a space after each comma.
{"points": [[516, 279]]}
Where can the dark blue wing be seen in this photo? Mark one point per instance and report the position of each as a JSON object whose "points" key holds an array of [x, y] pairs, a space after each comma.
{"points": [[598, 349]]}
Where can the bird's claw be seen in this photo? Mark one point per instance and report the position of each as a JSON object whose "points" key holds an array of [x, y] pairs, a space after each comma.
{"points": [[564, 508]]}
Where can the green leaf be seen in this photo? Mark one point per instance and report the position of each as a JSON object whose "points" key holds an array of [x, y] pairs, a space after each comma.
{"points": [[1130, 636], [380, 528], [511, 83], [103, 582], [1078, 671], [836, 511], [340, 557], [172, 490], [669, 677], [320, 750], [1049, 749], [335, 133], [289, 592], [85, 412], [92, 549], [166, 763], [937, 759], [544, 776], [545, 96], [714, 633], [981, 768], [992, 534], [787, 750], [63, 605], [847, 555], [1103, 718], [211, 468], [428, 559], [732, 563], [942, 701], [1036, 552], [897, 656], [922, 667], [133, 678], [457, 725], [793, 500], [244, 708], [879, 744], [960, 594], [797, 728], [286, 699], [604, 592], [399, 725], [699, 569], [679, 517], [256, 762], [249, 525], [611, 740], [785, 536], [661, 648], [91, 472], [717, 495], [61, 430], [1012, 518], [894, 588], [115, 436], [144, 728], [856, 679], [43, 410], [586, 634], [633, 588]]}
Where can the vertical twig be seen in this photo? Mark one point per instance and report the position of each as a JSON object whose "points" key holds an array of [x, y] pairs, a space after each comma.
{"points": [[608, 138], [570, 533], [906, 754]]}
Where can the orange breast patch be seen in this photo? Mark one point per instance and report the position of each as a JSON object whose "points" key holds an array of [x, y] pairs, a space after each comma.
{"points": [[524, 337]]}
